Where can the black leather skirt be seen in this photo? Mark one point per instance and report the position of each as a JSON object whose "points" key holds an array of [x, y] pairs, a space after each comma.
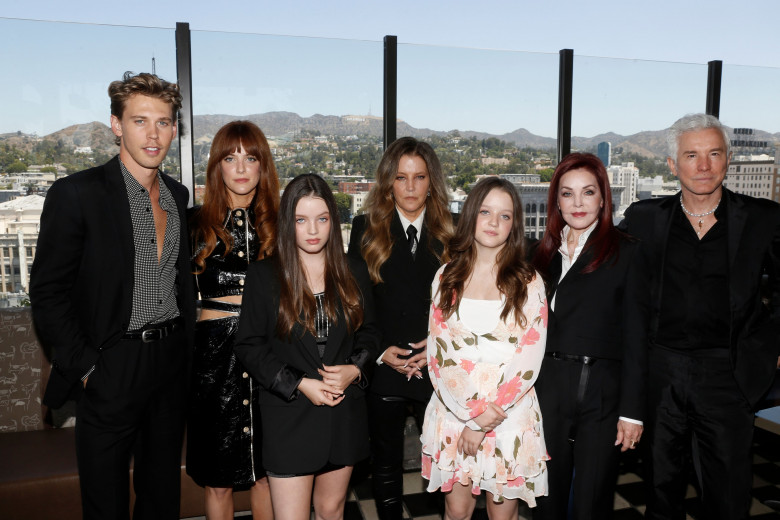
{"points": [[223, 430]]}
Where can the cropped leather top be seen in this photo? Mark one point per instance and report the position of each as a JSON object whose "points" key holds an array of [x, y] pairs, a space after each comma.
{"points": [[224, 275]]}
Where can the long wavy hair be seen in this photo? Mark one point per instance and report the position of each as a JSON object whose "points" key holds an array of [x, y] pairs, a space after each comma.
{"points": [[604, 241], [513, 272], [377, 241], [296, 301], [207, 223]]}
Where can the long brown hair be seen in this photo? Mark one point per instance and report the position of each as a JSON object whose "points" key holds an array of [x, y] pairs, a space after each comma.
{"points": [[296, 300], [207, 223], [377, 242], [513, 273], [604, 241]]}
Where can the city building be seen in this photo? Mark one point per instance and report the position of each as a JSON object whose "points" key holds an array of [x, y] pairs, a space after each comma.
{"points": [[655, 187], [604, 152], [754, 175], [356, 202], [625, 175], [19, 226], [351, 188]]}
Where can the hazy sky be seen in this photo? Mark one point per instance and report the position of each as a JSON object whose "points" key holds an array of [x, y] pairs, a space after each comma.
{"points": [[488, 65]]}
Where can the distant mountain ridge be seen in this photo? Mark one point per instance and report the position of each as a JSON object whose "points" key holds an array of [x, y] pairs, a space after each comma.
{"points": [[649, 143]]}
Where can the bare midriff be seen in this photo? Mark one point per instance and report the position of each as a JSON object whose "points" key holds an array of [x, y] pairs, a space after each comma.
{"points": [[212, 314]]}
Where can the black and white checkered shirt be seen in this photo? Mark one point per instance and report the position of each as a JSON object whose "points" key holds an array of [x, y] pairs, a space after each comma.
{"points": [[154, 291]]}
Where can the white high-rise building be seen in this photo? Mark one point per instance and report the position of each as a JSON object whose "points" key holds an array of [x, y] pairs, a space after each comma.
{"points": [[625, 175]]}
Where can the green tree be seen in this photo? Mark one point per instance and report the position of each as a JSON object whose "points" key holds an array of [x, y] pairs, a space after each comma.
{"points": [[342, 203], [48, 169], [16, 167], [546, 174]]}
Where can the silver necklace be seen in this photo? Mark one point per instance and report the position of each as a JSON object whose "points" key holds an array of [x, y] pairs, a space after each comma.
{"points": [[700, 216]]}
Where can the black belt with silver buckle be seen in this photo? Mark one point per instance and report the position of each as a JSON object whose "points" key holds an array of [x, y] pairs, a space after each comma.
{"points": [[560, 356], [155, 331]]}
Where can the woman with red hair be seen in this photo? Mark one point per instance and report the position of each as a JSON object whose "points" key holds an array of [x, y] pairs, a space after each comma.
{"points": [[591, 385], [235, 226]]}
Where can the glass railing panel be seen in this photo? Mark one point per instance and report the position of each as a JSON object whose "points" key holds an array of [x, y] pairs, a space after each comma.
{"points": [[319, 101], [55, 119], [750, 107], [621, 110], [484, 112]]}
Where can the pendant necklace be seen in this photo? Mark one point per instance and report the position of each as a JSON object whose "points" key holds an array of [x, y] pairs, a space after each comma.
{"points": [[700, 216]]}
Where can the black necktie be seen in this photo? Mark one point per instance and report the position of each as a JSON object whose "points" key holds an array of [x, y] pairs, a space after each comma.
{"points": [[411, 236]]}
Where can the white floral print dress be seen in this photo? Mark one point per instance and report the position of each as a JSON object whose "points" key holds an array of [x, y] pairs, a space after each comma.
{"points": [[468, 370]]}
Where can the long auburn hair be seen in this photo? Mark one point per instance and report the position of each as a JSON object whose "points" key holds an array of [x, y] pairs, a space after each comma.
{"points": [[207, 223], [604, 241], [377, 242], [296, 300], [513, 274]]}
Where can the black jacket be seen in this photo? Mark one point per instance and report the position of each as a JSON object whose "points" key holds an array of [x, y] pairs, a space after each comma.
{"points": [[402, 300], [754, 280], [299, 437], [81, 284]]}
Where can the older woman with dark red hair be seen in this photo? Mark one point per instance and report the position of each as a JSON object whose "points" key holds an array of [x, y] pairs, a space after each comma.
{"points": [[591, 385]]}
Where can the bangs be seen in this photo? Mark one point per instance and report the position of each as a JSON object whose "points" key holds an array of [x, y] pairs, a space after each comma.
{"points": [[233, 139]]}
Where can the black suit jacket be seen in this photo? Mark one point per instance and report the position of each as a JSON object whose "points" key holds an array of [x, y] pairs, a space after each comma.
{"points": [[402, 301], [81, 284], [603, 314], [299, 437], [754, 271]]}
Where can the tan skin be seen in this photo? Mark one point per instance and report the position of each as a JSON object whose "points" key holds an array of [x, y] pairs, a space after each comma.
{"points": [[701, 165], [219, 501]]}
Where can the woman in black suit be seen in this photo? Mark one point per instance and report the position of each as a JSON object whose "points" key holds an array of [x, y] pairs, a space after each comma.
{"points": [[401, 237], [591, 385], [307, 334]]}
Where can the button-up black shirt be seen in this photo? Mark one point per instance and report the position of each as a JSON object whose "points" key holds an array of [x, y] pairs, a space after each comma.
{"points": [[695, 298]]}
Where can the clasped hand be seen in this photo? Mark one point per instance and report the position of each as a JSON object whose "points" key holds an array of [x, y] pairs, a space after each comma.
{"points": [[411, 367], [329, 391], [469, 440]]}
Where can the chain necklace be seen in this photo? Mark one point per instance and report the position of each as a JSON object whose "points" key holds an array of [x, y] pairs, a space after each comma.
{"points": [[700, 216]]}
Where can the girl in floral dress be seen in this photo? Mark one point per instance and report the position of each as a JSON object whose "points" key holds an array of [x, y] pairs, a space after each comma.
{"points": [[487, 331]]}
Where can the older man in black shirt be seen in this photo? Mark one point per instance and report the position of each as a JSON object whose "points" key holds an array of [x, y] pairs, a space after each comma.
{"points": [[112, 296], [713, 341]]}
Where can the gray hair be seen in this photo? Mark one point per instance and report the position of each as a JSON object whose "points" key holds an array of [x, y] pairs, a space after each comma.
{"points": [[694, 123]]}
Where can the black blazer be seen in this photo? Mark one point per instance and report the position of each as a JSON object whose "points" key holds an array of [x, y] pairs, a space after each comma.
{"points": [[81, 284], [299, 437], [754, 253], [603, 314], [402, 302]]}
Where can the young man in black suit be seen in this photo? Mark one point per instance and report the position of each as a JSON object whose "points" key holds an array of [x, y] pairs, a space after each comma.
{"points": [[713, 339], [113, 298]]}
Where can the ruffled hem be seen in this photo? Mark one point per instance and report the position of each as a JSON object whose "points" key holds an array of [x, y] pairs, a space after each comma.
{"points": [[511, 461], [511, 487]]}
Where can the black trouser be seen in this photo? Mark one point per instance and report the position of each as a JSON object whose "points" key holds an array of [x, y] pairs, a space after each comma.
{"points": [[694, 399], [387, 418], [133, 404], [579, 405]]}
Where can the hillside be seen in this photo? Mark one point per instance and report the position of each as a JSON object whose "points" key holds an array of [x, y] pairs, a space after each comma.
{"points": [[99, 137]]}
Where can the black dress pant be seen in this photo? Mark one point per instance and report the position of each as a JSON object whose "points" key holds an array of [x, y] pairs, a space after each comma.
{"points": [[580, 427], [695, 399], [387, 418], [133, 405]]}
